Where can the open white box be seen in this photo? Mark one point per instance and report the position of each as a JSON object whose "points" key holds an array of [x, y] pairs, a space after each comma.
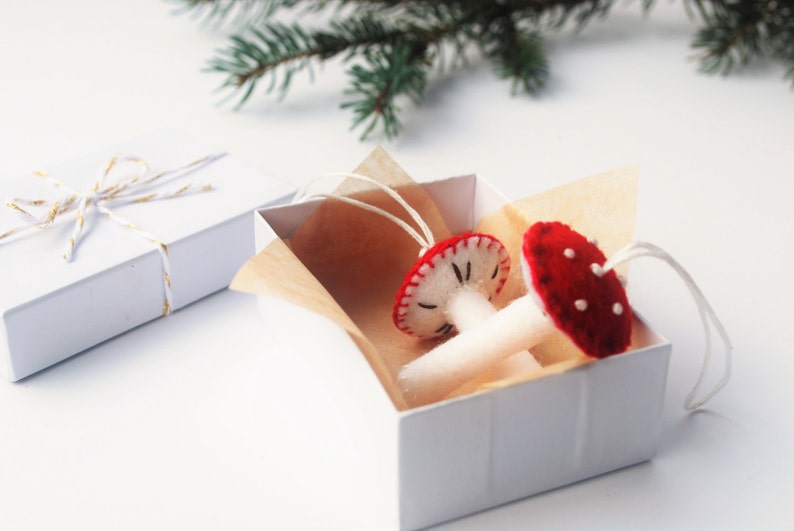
{"points": [[469, 453], [53, 309]]}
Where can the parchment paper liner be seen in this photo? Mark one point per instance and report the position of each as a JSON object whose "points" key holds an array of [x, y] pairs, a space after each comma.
{"points": [[347, 264]]}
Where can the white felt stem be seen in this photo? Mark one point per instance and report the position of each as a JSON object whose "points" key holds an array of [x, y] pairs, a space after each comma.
{"points": [[519, 363], [521, 325], [467, 309]]}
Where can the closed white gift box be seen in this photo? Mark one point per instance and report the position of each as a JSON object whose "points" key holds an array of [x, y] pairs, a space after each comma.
{"points": [[474, 451], [52, 309]]}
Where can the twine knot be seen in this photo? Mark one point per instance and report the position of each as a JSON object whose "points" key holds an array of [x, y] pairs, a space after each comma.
{"points": [[92, 198]]}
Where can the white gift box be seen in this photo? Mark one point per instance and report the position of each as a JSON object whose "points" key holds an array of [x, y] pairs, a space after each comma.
{"points": [[52, 309], [468, 453]]}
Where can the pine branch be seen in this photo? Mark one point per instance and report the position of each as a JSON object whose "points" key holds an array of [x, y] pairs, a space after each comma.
{"points": [[248, 13], [390, 72], [250, 59], [733, 35], [235, 13], [518, 54], [279, 51], [392, 45]]}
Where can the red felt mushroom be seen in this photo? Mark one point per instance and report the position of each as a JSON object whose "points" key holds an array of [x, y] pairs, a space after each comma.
{"points": [[568, 290], [566, 272]]}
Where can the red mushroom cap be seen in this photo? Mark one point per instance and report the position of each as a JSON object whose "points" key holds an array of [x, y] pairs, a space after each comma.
{"points": [[467, 261], [590, 306]]}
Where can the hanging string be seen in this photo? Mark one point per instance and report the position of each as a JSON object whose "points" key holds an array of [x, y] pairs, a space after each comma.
{"points": [[425, 242], [707, 314]]}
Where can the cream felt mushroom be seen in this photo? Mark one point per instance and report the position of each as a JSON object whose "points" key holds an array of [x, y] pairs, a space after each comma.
{"points": [[568, 290], [451, 286], [469, 266]]}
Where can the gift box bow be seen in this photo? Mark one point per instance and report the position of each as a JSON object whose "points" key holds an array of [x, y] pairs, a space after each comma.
{"points": [[123, 180]]}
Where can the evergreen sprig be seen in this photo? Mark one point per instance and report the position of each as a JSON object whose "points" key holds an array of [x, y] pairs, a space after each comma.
{"points": [[392, 45], [737, 32], [389, 72]]}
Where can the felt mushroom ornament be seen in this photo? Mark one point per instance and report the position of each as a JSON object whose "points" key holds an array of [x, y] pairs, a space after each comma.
{"points": [[571, 287], [451, 287], [451, 284], [568, 290]]}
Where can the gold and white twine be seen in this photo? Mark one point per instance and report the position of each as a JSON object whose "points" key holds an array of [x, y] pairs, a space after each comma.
{"points": [[139, 187]]}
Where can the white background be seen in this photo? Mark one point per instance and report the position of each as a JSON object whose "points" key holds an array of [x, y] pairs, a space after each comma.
{"points": [[181, 424]]}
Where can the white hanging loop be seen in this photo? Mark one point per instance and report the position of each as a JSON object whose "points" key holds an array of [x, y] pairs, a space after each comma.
{"points": [[638, 249], [425, 242]]}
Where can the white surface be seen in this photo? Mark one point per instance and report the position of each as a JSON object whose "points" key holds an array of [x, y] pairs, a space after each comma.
{"points": [[189, 422]]}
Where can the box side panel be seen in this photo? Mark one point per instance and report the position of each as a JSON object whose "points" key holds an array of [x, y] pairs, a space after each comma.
{"points": [[5, 358], [284, 220], [263, 233], [486, 199], [588, 421], [50, 329], [624, 410], [454, 199], [536, 429], [207, 262], [459, 457], [444, 461]]}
